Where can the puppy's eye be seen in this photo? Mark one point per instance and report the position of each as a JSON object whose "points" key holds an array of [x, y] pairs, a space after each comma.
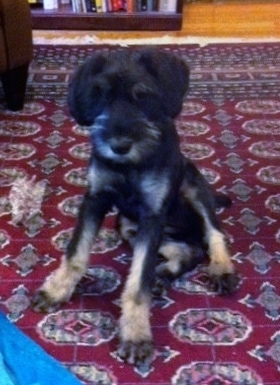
{"points": [[141, 91]]}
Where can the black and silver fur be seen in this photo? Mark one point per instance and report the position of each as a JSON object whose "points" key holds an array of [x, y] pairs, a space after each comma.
{"points": [[129, 99]]}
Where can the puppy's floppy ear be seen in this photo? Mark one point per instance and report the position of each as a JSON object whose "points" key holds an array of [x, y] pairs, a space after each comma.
{"points": [[171, 74], [86, 92]]}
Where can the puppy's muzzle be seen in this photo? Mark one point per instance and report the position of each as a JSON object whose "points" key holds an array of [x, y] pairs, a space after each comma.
{"points": [[121, 146]]}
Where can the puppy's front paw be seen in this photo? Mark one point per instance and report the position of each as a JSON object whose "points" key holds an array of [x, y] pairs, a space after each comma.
{"points": [[136, 353], [56, 289], [43, 303], [224, 284]]}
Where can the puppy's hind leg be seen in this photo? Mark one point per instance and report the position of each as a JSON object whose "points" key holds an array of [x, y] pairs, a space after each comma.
{"points": [[59, 286], [127, 229], [222, 273], [196, 191], [221, 270], [179, 258]]}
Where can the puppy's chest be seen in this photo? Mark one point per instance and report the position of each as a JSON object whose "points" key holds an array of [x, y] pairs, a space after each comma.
{"points": [[132, 190], [137, 195]]}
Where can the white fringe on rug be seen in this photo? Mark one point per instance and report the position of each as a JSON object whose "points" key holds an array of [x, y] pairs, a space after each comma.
{"points": [[40, 38]]}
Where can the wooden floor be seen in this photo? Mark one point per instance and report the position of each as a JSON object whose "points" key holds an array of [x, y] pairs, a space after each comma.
{"points": [[215, 19], [233, 19]]}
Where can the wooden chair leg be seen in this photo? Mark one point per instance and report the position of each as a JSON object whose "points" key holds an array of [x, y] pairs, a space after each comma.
{"points": [[14, 85]]}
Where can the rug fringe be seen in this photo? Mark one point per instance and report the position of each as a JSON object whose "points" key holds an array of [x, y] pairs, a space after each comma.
{"points": [[39, 38]]}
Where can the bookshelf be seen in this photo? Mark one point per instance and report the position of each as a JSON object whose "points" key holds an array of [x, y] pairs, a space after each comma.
{"points": [[65, 18]]}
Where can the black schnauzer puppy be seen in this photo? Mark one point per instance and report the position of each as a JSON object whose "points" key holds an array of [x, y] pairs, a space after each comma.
{"points": [[129, 99]]}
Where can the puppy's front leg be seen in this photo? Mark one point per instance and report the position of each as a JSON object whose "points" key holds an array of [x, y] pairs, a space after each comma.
{"points": [[136, 345], [59, 286]]}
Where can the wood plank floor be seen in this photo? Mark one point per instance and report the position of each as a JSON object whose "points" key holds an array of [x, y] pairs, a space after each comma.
{"points": [[214, 19]]}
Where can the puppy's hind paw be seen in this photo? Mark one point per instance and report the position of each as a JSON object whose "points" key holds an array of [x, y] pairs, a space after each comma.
{"points": [[43, 303], [160, 286], [136, 353], [224, 284]]}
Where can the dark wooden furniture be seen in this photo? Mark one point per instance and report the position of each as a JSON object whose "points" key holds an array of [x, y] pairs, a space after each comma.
{"points": [[65, 18], [15, 50]]}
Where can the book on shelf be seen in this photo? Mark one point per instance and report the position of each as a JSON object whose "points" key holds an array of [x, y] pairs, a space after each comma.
{"points": [[35, 2], [129, 6], [91, 6], [79, 6], [167, 5]]}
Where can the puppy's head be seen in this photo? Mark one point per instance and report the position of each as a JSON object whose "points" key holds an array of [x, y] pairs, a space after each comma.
{"points": [[126, 96]]}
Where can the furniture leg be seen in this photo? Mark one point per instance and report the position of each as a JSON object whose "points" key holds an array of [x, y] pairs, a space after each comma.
{"points": [[14, 85]]}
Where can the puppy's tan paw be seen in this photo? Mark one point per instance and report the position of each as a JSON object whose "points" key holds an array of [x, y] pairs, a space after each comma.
{"points": [[136, 353], [43, 303], [224, 284], [223, 277], [161, 285]]}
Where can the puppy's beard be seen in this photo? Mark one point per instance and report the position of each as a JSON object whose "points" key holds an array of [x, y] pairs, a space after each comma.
{"points": [[141, 148], [103, 149]]}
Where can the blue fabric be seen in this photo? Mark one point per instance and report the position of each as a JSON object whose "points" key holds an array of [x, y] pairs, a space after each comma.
{"points": [[22, 362], [6, 378]]}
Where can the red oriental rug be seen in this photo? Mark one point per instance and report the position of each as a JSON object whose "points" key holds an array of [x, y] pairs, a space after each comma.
{"points": [[230, 126]]}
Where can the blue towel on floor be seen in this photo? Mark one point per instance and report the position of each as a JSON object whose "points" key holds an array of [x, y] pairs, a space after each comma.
{"points": [[22, 362]]}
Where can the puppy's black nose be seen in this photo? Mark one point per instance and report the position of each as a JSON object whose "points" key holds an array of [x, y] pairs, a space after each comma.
{"points": [[121, 146]]}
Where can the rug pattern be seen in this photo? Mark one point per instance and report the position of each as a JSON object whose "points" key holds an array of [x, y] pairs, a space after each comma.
{"points": [[230, 126]]}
